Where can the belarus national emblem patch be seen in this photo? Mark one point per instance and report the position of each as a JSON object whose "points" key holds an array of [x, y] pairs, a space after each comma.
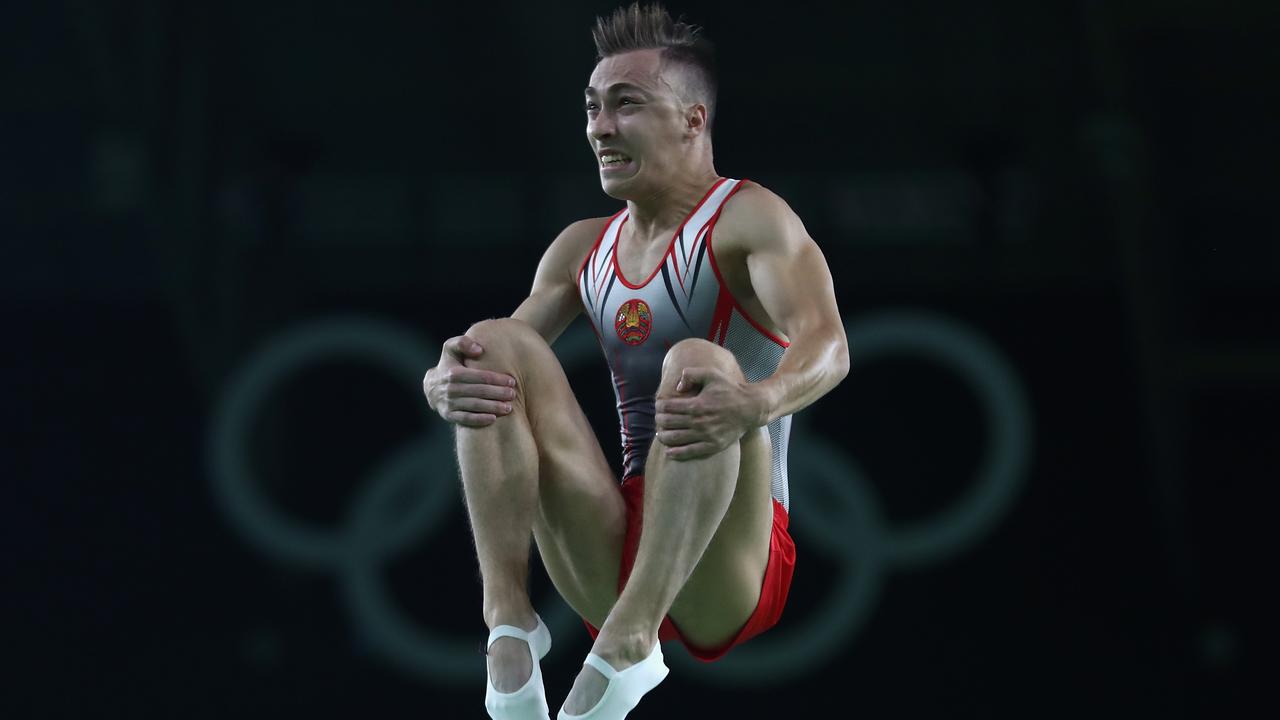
{"points": [[633, 322]]}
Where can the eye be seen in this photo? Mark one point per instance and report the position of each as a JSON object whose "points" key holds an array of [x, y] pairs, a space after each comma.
{"points": [[590, 107], [626, 101]]}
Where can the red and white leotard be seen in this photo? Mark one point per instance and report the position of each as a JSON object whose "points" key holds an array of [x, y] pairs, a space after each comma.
{"points": [[684, 297]]}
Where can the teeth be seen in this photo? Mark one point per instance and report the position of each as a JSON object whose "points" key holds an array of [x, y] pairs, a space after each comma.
{"points": [[613, 159]]}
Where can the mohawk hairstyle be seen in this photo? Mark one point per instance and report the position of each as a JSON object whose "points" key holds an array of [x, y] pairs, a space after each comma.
{"points": [[637, 27]]}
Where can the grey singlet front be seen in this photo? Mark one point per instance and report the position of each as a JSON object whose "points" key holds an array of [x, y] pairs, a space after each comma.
{"points": [[684, 297]]}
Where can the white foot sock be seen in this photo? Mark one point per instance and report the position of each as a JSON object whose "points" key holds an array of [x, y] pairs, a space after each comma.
{"points": [[530, 701], [625, 688]]}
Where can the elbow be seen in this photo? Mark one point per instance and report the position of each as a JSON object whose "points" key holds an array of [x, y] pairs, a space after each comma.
{"points": [[841, 361]]}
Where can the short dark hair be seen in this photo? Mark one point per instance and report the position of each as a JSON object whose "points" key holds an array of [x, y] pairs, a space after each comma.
{"points": [[637, 27]]}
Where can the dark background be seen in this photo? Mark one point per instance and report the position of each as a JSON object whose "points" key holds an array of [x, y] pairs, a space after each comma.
{"points": [[1088, 187]]}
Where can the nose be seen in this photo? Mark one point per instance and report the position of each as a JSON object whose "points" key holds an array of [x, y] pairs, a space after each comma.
{"points": [[601, 126]]}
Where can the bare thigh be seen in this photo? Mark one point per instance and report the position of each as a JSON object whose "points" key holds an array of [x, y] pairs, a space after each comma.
{"points": [[581, 520], [724, 588]]}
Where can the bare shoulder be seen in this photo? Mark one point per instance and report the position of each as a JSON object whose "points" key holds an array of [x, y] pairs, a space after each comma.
{"points": [[577, 239], [582, 234], [756, 218], [570, 248]]}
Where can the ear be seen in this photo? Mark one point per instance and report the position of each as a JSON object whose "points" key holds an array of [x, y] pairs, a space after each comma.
{"points": [[695, 120]]}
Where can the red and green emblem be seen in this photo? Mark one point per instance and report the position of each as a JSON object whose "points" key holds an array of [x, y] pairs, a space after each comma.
{"points": [[632, 322]]}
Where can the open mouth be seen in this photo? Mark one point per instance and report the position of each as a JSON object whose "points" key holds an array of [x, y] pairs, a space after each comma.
{"points": [[614, 161]]}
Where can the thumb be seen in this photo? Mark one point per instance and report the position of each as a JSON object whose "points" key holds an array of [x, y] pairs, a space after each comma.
{"points": [[463, 347], [694, 377]]}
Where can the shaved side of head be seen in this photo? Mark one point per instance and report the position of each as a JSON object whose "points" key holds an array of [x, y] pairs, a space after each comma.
{"points": [[688, 58]]}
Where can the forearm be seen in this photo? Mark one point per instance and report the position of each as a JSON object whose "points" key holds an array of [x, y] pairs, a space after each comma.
{"points": [[814, 364]]}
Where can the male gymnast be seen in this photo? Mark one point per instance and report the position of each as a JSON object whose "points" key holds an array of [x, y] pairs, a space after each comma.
{"points": [[717, 316]]}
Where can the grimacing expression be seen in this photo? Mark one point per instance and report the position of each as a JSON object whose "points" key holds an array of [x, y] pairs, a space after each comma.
{"points": [[635, 122]]}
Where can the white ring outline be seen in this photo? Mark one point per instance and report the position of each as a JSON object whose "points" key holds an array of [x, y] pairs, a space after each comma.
{"points": [[949, 532], [354, 555], [1001, 474]]}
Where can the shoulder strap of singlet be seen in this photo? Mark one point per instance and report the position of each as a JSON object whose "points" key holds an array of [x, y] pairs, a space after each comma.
{"points": [[597, 260], [688, 236]]}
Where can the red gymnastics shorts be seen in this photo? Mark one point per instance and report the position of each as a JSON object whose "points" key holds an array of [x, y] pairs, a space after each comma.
{"points": [[773, 593]]}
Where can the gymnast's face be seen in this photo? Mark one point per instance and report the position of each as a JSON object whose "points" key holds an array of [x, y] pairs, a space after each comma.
{"points": [[634, 108]]}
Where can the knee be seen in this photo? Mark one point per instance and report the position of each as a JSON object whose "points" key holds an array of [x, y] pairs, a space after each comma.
{"points": [[696, 352], [505, 340]]}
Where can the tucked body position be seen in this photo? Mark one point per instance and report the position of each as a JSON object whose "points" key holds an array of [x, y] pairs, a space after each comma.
{"points": [[716, 313]]}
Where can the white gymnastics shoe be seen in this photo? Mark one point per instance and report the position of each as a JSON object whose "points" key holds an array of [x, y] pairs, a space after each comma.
{"points": [[626, 687], [530, 701]]}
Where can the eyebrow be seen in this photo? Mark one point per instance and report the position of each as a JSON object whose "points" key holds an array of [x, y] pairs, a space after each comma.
{"points": [[616, 86]]}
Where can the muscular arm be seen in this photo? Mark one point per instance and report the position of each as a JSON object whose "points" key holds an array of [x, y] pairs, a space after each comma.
{"points": [[553, 301], [790, 278]]}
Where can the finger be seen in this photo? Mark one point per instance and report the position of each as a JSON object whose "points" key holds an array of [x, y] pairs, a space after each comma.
{"points": [[467, 419], [480, 377], [675, 438], [694, 377], [692, 451], [487, 392], [463, 346], [672, 421], [676, 406], [476, 405]]}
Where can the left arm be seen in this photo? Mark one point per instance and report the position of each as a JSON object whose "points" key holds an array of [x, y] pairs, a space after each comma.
{"points": [[790, 278]]}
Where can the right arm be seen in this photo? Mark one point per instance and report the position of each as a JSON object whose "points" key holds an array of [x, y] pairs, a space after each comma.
{"points": [[553, 301], [474, 398]]}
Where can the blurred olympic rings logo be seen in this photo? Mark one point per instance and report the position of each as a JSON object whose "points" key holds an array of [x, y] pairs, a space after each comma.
{"points": [[838, 511]]}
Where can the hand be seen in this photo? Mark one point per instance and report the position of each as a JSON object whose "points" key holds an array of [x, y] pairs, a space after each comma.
{"points": [[710, 411], [467, 396]]}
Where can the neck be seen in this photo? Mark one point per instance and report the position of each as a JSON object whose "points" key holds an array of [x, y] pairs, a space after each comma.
{"points": [[653, 216]]}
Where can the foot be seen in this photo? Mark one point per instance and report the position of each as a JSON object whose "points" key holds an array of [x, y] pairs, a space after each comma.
{"points": [[621, 653], [510, 662]]}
